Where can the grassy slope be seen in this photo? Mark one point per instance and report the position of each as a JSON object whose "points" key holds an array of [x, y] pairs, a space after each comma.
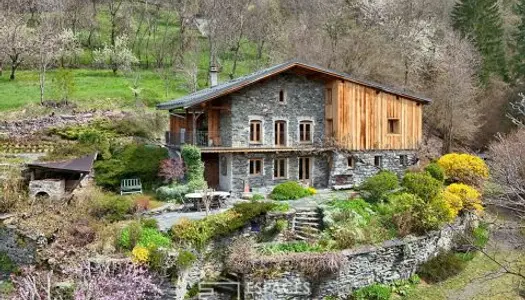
{"points": [[100, 88]]}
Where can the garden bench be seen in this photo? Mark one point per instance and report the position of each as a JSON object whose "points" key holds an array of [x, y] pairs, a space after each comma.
{"points": [[130, 186]]}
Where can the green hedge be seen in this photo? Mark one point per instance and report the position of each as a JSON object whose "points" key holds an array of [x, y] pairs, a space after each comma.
{"points": [[131, 161], [375, 188], [290, 190]]}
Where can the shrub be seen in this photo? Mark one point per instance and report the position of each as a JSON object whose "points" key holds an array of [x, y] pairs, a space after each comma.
{"points": [[110, 207], [82, 233], [136, 235], [311, 191], [140, 255], [131, 161], [258, 197], [142, 203], [281, 225], [191, 156], [292, 247], [373, 292], [172, 192], [185, 259], [464, 168], [198, 233], [470, 197], [454, 202], [375, 188], [442, 267], [481, 235], [401, 212], [6, 264], [422, 185], [290, 190], [171, 169], [436, 171], [280, 207], [149, 223], [434, 214]]}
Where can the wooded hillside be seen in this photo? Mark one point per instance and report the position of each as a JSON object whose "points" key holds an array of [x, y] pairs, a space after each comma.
{"points": [[466, 55]]}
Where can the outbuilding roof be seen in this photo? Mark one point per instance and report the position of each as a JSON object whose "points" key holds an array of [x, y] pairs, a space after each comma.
{"points": [[82, 164], [241, 82]]}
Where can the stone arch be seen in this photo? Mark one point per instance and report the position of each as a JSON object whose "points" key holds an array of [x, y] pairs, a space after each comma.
{"points": [[42, 194]]}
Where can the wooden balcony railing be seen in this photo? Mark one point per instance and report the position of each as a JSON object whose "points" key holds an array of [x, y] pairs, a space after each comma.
{"points": [[198, 138]]}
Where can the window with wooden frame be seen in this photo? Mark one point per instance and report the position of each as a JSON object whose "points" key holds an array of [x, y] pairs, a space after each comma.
{"points": [[305, 131], [378, 161], [255, 132], [350, 162], [256, 166], [282, 96], [280, 133], [305, 165], [403, 160], [393, 126], [279, 168]]}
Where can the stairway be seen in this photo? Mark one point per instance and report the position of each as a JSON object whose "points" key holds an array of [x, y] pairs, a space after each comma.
{"points": [[226, 286], [307, 224]]}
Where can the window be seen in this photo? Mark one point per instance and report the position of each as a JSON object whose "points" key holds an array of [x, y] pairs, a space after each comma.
{"points": [[279, 168], [403, 160], [256, 167], [305, 131], [350, 161], [280, 133], [393, 126], [378, 161], [255, 132], [282, 96], [305, 164], [328, 100]]}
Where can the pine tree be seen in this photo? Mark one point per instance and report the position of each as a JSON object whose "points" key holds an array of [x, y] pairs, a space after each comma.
{"points": [[519, 42], [481, 21]]}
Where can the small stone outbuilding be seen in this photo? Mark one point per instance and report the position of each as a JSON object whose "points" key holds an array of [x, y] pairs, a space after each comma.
{"points": [[56, 180]]}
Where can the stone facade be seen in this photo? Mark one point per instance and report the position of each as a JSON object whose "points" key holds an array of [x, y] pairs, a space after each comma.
{"points": [[344, 176], [393, 260], [52, 188], [264, 183]]}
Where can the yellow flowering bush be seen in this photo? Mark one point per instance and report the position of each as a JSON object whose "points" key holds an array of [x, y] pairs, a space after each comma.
{"points": [[454, 201], [312, 191], [140, 255], [465, 168], [470, 197]]}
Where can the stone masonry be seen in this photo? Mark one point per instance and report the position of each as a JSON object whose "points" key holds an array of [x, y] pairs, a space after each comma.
{"points": [[52, 188], [393, 260]]}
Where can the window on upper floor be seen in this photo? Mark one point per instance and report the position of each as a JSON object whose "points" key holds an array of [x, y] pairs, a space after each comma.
{"points": [[280, 133], [394, 126], [282, 96], [256, 166], [279, 168], [305, 131], [255, 132]]}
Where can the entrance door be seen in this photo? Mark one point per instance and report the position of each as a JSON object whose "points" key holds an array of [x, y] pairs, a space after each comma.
{"points": [[305, 169], [211, 170]]}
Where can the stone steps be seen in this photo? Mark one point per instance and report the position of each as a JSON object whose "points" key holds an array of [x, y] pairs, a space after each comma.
{"points": [[307, 224]]}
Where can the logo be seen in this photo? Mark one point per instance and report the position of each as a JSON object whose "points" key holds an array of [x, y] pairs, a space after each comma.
{"points": [[207, 290]]}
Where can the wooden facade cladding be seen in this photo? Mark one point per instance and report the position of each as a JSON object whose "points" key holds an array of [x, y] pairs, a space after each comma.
{"points": [[360, 118]]}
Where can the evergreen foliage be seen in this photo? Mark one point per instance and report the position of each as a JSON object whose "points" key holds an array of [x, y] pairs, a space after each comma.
{"points": [[481, 21], [518, 61]]}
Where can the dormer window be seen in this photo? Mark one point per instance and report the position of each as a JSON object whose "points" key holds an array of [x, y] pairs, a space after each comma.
{"points": [[282, 96]]}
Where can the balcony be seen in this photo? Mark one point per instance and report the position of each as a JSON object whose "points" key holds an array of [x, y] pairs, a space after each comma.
{"points": [[200, 138]]}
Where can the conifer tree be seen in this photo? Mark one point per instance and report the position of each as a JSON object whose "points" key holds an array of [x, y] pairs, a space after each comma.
{"points": [[481, 21], [518, 63]]}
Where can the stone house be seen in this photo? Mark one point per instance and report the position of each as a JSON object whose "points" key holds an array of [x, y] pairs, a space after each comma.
{"points": [[297, 121]]}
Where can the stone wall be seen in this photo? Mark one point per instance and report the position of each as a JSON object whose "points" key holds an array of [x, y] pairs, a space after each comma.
{"points": [[304, 101], [54, 188], [20, 249], [344, 177], [265, 182], [393, 260]]}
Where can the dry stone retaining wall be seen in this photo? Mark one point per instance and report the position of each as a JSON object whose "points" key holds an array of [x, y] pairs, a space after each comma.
{"points": [[393, 260]]}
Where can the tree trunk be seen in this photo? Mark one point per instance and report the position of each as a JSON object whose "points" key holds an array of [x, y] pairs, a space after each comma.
{"points": [[13, 70], [42, 83]]}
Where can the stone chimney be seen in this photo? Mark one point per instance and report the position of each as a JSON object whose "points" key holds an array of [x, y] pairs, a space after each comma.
{"points": [[214, 74]]}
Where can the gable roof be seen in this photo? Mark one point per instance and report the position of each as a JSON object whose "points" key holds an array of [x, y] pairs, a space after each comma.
{"points": [[241, 82]]}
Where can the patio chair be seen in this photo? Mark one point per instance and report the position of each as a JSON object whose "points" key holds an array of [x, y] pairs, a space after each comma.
{"points": [[130, 186]]}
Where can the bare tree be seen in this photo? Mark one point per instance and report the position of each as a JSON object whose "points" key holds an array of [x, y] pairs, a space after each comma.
{"points": [[454, 88], [16, 41]]}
